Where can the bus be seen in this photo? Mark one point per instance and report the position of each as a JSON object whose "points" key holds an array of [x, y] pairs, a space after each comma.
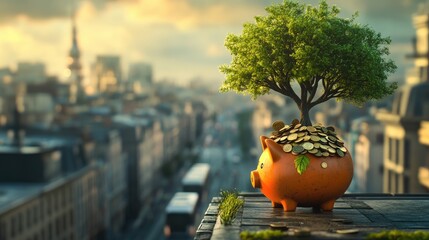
{"points": [[197, 179], [181, 213]]}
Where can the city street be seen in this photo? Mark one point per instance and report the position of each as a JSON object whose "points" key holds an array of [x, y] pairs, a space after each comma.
{"points": [[229, 170]]}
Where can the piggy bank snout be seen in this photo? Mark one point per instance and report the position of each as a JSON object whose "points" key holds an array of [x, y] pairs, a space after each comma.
{"points": [[255, 179]]}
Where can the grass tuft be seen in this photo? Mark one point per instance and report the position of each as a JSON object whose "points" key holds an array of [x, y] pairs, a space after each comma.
{"points": [[229, 206], [398, 235], [262, 235]]}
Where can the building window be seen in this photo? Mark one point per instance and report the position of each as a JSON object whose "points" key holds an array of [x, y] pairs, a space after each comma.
{"points": [[20, 223], [406, 154], [406, 184], [34, 214], [29, 217], [48, 204], [58, 226], [3, 230], [50, 231], [65, 221], [379, 138], [13, 227]]}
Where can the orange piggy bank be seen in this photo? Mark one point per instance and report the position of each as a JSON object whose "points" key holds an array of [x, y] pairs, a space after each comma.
{"points": [[324, 180]]}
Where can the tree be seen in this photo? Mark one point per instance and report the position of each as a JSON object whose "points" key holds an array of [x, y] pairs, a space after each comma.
{"points": [[323, 55]]}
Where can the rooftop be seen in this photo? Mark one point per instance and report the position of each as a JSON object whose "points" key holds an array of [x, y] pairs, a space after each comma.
{"points": [[357, 214]]}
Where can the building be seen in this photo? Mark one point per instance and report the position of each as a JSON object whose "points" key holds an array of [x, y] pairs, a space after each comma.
{"points": [[368, 155], [107, 74], [140, 77], [30, 73], [42, 196], [402, 150]]}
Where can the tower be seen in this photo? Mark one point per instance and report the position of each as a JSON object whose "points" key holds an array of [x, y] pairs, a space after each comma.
{"points": [[74, 66], [402, 150]]}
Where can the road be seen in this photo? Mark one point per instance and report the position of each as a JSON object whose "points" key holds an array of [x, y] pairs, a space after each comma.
{"points": [[230, 169]]}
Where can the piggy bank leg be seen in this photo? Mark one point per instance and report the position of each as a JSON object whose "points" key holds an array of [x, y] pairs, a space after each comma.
{"points": [[289, 205], [328, 205], [276, 205]]}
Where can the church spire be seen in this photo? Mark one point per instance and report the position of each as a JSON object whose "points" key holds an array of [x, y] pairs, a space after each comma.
{"points": [[75, 77]]}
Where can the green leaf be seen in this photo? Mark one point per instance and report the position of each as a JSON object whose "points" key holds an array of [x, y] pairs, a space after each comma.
{"points": [[301, 163]]}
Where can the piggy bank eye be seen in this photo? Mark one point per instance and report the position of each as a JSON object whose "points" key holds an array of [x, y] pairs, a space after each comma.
{"points": [[262, 165]]}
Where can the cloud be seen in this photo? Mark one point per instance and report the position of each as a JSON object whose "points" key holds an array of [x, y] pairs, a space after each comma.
{"points": [[181, 38]]}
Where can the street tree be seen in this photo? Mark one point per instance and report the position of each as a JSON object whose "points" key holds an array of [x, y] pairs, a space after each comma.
{"points": [[309, 54]]}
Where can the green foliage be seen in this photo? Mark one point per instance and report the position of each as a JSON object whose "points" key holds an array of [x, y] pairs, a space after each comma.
{"points": [[399, 235], [262, 235], [229, 206], [327, 56], [301, 163]]}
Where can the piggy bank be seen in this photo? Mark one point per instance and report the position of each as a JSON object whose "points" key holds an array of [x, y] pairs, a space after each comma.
{"points": [[324, 180]]}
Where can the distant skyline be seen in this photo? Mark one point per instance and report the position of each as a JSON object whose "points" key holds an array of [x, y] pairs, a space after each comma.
{"points": [[182, 39]]}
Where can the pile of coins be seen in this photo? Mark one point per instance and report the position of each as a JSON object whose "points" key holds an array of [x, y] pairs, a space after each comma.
{"points": [[299, 139]]}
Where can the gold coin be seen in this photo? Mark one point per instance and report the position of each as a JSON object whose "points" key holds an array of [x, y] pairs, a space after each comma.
{"points": [[323, 140], [285, 128], [332, 145], [315, 138], [324, 130], [322, 134], [318, 154], [295, 122], [307, 145], [311, 129], [292, 137], [324, 165], [313, 151], [277, 140], [283, 138], [343, 149], [301, 134], [297, 126], [307, 138], [297, 149], [317, 145], [287, 148], [277, 125], [299, 139], [332, 138], [324, 147], [302, 128], [325, 154], [294, 130], [348, 231], [331, 150], [331, 128], [274, 133], [340, 153]]}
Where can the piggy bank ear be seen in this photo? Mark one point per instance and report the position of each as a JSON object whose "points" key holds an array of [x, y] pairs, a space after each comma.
{"points": [[274, 149], [263, 144]]}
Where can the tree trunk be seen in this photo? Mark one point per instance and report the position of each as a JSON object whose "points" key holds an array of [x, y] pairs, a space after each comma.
{"points": [[305, 116]]}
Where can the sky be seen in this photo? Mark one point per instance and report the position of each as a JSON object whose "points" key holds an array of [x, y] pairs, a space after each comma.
{"points": [[182, 39]]}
